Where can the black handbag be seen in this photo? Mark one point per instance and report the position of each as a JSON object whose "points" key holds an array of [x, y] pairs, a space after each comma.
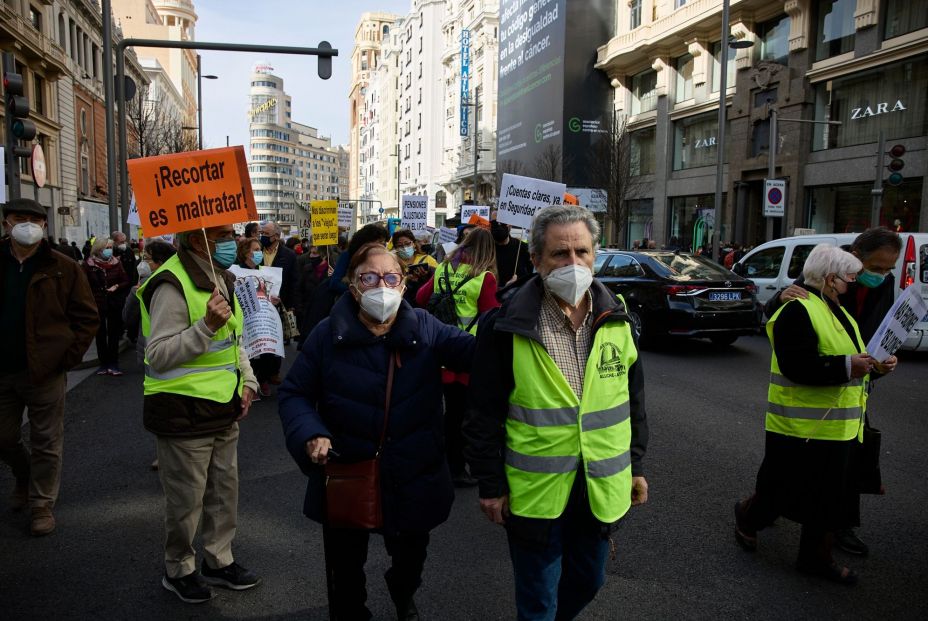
{"points": [[869, 478]]}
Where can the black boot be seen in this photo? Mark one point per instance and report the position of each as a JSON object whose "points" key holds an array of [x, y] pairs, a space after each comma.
{"points": [[402, 598], [407, 611]]}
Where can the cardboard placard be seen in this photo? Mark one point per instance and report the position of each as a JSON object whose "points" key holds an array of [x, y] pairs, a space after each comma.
{"points": [[522, 197], [133, 216], [415, 212], [324, 222], [345, 215], [446, 235], [908, 310], [468, 210], [196, 189]]}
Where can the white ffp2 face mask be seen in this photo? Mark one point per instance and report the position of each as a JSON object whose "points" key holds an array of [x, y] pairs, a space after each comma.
{"points": [[381, 303], [28, 233], [570, 283]]}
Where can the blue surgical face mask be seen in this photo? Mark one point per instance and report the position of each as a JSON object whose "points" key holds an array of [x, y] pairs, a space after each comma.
{"points": [[257, 257], [107, 253], [406, 252], [870, 279], [225, 253]]}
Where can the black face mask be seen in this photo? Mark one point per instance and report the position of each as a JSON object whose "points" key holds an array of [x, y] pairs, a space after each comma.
{"points": [[500, 233], [265, 241], [315, 261], [428, 248]]}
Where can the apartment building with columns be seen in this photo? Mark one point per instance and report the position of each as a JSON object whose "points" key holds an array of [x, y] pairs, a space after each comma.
{"points": [[839, 73]]}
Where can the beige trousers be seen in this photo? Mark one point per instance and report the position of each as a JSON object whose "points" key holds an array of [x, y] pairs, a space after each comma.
{"points": [[41, 465], [200, 480]]}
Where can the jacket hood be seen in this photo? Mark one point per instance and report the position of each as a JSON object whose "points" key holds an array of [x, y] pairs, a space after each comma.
{"points": [[519, 314]]}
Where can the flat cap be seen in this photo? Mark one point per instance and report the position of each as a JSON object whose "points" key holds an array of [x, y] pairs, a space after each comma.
{"points": [[24, 205]]}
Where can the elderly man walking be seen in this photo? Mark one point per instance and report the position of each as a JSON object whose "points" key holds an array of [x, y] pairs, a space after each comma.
{"points": [[198, 385], [49, 319], [557, 429]]}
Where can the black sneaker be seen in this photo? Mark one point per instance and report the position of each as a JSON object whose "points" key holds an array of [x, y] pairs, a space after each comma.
{"points": [[189, 588], [232, 576]]}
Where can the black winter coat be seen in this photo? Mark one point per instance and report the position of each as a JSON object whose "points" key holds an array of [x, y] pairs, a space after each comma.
{"points": [[337, 389]]}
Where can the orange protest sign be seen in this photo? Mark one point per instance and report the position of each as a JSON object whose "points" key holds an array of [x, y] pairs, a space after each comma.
{"points": [[192, 190], [478, 221]]}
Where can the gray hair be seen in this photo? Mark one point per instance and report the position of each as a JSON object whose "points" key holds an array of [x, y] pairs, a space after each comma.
{"points": [[99, 245], [561, 215], [827, 259], [277, 229]]}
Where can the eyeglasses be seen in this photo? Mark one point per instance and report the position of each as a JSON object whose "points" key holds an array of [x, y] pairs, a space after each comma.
{"points": [[145, 257], [844, 280], [372, 279]]}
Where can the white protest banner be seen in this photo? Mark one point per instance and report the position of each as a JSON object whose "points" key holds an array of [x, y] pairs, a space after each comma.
{"points": [[468, 210], [345, 215], [898, 323], [522, 197], [446, 235], [415, 212], [449, 247], [269, 278], [262, 332], [133, 216]]}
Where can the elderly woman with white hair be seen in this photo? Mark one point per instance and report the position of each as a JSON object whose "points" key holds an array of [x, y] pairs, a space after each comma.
{"points": [[819, 372]]}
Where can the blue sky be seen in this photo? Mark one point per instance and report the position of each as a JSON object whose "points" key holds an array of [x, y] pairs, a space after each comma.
{"points": [[304, 23]]}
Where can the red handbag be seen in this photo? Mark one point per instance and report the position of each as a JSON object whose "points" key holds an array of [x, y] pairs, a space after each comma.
{"points": [[352, 491]]}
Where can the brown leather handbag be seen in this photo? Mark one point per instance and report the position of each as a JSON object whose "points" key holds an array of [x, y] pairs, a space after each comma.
{"points": [[352, 491]]}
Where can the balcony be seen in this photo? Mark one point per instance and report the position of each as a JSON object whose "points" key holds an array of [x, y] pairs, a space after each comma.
{"points": [[36, 48]]}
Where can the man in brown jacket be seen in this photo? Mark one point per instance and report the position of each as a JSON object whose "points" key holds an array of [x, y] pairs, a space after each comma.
{"points": [[50, 318]]}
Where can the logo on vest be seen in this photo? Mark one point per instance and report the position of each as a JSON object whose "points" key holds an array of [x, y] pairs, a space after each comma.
{"points": [[610, 362]]}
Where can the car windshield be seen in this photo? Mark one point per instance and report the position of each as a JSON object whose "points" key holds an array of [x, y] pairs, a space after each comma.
{"points": [[690, 267]]}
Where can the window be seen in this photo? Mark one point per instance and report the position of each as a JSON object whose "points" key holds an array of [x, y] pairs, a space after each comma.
{"points": [[798, 260], [834, 28], [846, 208], [642, 154], [35, 18], [600, 260], [717, 67], [62, 34], [684, 66], [623, 266], [764, 264], [85, 172], [38, 94], [694, 141], [644, 91], [689, 220], [635, 18], [640, 220], [904, 16], [892, 99], [773, 40]]}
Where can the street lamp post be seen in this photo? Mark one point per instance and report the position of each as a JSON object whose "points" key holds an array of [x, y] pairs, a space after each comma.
{"points": [[727, 42], [200, 77]]}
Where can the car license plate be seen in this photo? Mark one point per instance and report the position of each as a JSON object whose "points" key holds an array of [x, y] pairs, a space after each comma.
{"points": [[724, 296]]}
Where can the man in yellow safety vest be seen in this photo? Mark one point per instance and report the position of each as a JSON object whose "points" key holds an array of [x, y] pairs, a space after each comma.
{"points": [[198, 385], [556, 427]]}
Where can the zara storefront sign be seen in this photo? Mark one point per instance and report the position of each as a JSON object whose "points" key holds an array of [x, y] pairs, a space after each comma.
{"points": [[881, 108]]}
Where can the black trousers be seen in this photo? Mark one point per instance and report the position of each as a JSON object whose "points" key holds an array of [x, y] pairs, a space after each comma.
{"points": [[108, 334], [346, 554], [455, 406]]}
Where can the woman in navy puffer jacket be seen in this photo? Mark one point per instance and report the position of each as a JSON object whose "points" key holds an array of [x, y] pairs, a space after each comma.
{"points": [[333, 398]]}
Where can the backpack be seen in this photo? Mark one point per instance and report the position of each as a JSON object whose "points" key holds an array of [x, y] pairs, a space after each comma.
{"points": [[441, 304]]}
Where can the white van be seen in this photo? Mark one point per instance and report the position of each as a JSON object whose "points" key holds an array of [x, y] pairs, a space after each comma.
{"points": [[776, 264]]}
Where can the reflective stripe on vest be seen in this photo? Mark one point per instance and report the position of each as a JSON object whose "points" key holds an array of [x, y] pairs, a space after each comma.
{"points": [[818, 412], [550, 433], [213, 375], [465, 300]]}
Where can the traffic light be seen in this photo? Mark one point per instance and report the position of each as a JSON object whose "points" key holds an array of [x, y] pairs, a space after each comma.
{"points": [[325, 62], [896, 164], [17, 107]]}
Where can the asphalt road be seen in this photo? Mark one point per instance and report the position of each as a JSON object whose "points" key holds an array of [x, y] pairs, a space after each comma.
{"points": [[676, 556]]}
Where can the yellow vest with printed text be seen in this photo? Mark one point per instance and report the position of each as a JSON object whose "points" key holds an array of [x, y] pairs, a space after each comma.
{"points": [[550, 433], [818, 412], [213, 375], [465, 300]]}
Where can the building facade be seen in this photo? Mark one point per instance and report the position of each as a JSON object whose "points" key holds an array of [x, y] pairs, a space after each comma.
{"points": [[365, 58], [471, 29], [290, 164], [58, 48], [838, 73]]}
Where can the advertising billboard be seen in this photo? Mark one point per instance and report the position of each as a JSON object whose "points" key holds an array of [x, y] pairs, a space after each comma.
{"points": [[551, 99]]}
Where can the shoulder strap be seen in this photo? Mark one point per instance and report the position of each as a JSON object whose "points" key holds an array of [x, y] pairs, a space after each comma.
{"points": [[467, 278], [386, 406]]}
